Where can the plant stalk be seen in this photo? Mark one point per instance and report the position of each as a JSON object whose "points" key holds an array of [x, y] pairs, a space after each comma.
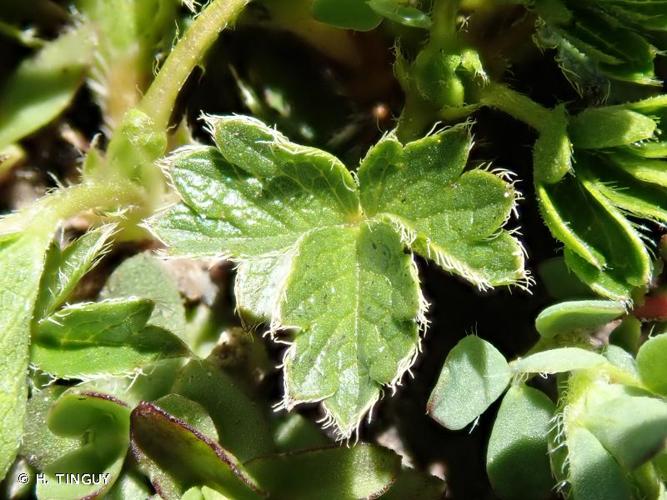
{"points": [[515, 104], [159, 100]]}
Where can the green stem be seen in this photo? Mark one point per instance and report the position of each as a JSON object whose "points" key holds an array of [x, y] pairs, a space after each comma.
{"points": [[517, 105], [48, 211], [443, 29], [159, 100]]}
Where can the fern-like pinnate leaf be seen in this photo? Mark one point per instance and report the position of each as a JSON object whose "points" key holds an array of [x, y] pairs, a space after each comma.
{"points": [[619, 172], [601, 41], [324, 254]]}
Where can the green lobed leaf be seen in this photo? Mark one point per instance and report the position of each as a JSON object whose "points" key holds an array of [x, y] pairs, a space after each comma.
{"points": [[452, 217], [562, 359], [101, 423], [145, 277], [361, 471], [44, 84], [579, 315], [652, 365], [65, 268], [108, 337], [362, 341], [475, 374], [176, 456], [324, 254], [21, 261], [517, 460], [593, 472]]}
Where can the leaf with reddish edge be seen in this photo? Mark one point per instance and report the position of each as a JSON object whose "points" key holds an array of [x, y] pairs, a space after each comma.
{"points": [[176, 456]]}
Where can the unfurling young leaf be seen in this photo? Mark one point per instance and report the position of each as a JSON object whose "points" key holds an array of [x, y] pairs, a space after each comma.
{"points": [[64, 268], [605, 39], [475, 374], [101, 424], [325, 255]]}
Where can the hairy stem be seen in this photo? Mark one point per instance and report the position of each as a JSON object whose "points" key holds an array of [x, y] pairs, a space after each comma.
{"points": [[47, 212], [159, 100], [515, 104]]}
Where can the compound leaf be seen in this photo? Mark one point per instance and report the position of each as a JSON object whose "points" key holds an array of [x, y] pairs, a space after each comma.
{"points": [[324, 254], [601, 246]]}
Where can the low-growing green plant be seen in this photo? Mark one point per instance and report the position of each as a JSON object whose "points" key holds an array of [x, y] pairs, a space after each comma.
{"points": [[128, 356]]}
